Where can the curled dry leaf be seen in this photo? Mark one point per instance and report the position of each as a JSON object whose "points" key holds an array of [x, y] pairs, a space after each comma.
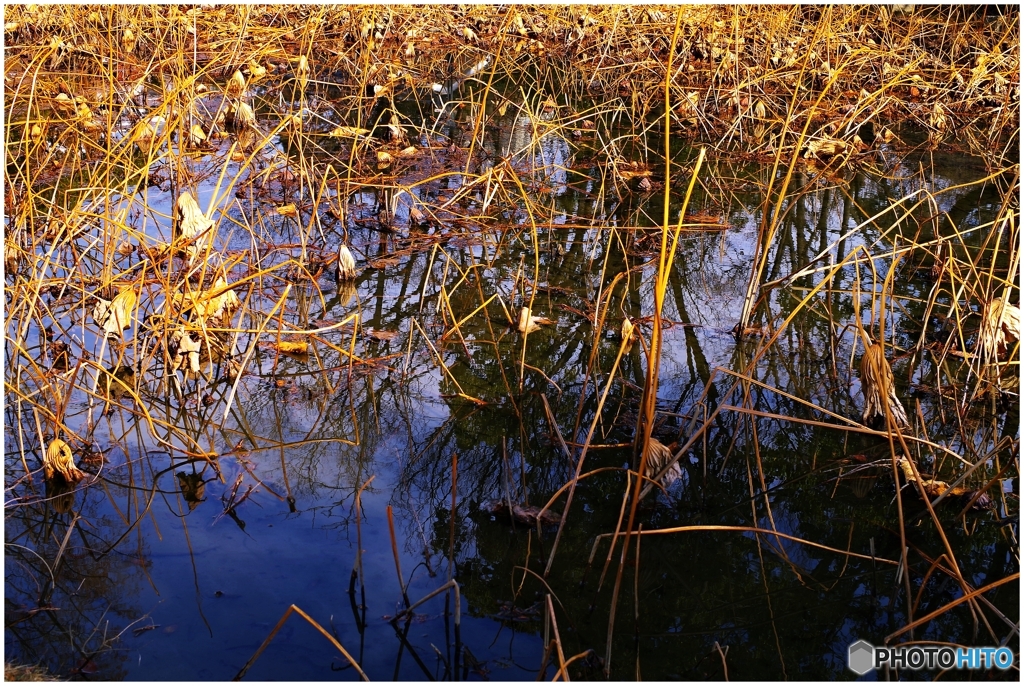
{"points": [[384, 159], [118, 381], [59, 461], [193, 225], [236, 85], [1000, 326], [12, 256], [528, 323], [658, 456], [288, 210], [185, 351], [407, 152], [218, 304], [239, 115], [824, 149], [628, 329], [417, 217], [346, 264], [116, 315], [257, 70], [196, 136]]}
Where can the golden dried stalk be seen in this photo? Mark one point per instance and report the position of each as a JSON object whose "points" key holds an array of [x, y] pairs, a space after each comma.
{"points": [[60, 462], [875, 386]]}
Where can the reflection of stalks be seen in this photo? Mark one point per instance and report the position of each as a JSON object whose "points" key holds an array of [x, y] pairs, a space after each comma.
{"points": [[277, 627]]}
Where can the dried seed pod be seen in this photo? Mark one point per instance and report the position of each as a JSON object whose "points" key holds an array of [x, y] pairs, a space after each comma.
{"points": [[59, 461], [346, 264], [876, 381]]}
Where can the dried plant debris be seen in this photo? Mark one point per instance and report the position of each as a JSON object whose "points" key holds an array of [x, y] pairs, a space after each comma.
{"points": [[528, 322], [59, 462], [878, 386], [115, 316], [1000, 327]]}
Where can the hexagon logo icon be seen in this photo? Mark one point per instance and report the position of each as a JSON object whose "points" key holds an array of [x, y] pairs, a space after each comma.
{"points": [[860, 658]]}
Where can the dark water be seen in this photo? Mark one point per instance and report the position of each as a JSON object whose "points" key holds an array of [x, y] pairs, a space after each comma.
{"points": [[153, 583]]}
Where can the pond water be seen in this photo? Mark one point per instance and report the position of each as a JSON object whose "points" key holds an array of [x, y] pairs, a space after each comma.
{"points": [[167, 567]]}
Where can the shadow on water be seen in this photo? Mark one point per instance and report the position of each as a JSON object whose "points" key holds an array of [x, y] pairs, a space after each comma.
{"points": [[174, 564]]}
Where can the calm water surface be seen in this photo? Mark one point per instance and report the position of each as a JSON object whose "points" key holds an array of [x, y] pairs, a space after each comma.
{"points": [[158, 581]]}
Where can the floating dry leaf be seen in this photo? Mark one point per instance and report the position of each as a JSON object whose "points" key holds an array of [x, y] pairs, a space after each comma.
{"points": [[288, 210], [293, 347], [380, 335]]}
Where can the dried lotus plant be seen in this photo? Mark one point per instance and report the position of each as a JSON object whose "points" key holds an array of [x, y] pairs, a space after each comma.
{"points": [[60, 462], [185, 351], [879, 387], [1000, 326], [193, 226], [659, 456], [116, 315], [219, 303], [346, 264], [528, 323]]}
